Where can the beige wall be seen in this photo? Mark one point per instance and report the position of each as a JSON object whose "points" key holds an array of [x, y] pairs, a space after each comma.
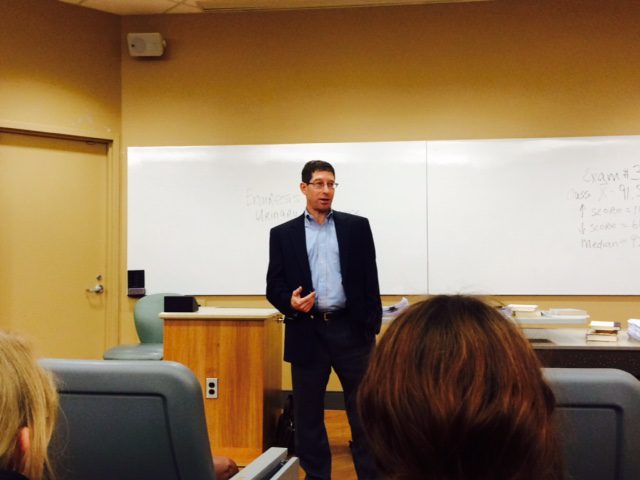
{"points": [[477, 70], [60, 73], [59, 69], [442, 71]]}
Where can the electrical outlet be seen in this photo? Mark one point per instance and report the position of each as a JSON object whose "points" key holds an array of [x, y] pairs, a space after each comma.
{"points": [[211, 387]]}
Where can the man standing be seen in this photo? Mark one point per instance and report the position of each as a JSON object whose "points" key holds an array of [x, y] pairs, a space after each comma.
{"points": [[323, 277]]}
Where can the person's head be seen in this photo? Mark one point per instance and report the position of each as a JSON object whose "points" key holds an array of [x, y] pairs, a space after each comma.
{"points": [[318, 185], [28, 409], [454, 391]]}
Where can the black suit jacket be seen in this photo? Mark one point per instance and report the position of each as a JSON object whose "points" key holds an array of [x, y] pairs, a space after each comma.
{"points": [[289, 269]]}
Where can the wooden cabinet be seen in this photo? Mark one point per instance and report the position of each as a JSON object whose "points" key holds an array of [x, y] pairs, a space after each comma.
{"points": [[242, 349]]}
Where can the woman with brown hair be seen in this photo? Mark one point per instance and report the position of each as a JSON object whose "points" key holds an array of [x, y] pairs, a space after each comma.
{"points": [[454, 391], [28, 411]]}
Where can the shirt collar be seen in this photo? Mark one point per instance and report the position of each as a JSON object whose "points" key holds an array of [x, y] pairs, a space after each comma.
{"points": [[308, 217]]}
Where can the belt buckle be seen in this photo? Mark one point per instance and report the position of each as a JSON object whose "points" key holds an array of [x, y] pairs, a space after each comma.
{"points": [[326, 316]]}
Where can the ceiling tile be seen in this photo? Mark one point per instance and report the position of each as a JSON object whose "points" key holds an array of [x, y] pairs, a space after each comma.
{"points": [[185, 8], [126, 7], [150, 7]]}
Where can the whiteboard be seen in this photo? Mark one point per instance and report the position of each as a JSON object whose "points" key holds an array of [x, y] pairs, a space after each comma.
{"points": [[548, 216], [199, 217]]}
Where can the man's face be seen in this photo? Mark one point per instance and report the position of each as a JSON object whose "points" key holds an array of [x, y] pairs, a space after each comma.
{"points": [[318, 192]]}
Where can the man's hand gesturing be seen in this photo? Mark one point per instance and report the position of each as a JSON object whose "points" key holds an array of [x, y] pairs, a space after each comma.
{"points": [[302, 304]]}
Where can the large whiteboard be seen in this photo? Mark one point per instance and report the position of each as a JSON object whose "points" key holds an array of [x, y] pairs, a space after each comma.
{"points": [[546, 216], [535, 216], [199, 217]]}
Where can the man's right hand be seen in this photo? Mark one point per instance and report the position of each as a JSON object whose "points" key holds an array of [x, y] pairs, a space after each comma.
{"points": [[302, 304]]}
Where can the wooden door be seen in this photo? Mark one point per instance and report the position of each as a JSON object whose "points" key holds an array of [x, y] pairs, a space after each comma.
{"points": [[53, 242]]}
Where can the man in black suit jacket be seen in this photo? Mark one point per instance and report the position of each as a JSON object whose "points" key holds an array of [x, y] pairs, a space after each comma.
{"points": [[323, 277]]}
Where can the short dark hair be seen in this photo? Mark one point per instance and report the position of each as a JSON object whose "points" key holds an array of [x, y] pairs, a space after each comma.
{"points": [[454, 391], [314, 166]]}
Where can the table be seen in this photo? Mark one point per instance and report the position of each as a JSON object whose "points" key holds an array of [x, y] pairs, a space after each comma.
{"points": [[568, 348], [242, 349]]}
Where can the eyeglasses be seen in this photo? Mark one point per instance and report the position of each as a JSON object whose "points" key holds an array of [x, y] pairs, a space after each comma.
{"points": [[320, 185]]}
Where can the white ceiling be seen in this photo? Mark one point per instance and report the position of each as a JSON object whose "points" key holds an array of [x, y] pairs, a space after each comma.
{"points": [[152, 7]]}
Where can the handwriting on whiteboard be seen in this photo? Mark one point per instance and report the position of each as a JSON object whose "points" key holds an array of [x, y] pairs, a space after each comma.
{"points": [[608, 208]]}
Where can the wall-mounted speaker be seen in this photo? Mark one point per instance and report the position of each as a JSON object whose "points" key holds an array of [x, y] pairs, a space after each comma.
{"points": [[135, 283], [146, 44]]}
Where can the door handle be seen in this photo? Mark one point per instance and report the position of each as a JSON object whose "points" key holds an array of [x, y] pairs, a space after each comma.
{"points": [[97, 289]]}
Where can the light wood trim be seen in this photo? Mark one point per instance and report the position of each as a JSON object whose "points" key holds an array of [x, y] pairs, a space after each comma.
{"points": [[55, 131], [273, 346], [114, 245]]}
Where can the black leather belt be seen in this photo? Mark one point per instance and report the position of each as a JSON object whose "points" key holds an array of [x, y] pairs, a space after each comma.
{"points": [[328, 316]]}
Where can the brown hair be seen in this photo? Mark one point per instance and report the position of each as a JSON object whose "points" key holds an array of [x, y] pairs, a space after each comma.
{"points": [[455, 392], [28, 398], [313, 166]]}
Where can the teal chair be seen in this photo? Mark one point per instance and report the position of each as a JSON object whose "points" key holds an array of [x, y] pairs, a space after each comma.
{"points": [[149, 327], [129, 420], [597, 415]]}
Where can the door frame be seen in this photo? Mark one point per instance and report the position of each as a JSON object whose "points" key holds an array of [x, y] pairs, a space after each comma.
{"points": [[113, 203]]}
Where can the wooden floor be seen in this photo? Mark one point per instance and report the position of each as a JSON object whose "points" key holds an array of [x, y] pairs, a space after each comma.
{"points": [[339, 436]]}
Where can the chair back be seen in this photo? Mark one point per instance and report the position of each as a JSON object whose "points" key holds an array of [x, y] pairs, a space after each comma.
{"points": [[146, 317], [129, 420], [598, 419]]}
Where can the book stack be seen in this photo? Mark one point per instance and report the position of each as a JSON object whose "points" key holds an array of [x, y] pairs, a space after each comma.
{"points": [[603, 331]]}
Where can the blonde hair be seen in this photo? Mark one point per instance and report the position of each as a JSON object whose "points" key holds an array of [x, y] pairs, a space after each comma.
{"points": [[28, 398]]}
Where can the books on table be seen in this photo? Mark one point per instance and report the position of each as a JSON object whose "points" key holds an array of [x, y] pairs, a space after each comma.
{"points": [[608, 326], [601, 336], [603, 331]]}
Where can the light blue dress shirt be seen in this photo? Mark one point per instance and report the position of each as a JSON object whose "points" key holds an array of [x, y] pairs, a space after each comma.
{"points": [[324, 261]]}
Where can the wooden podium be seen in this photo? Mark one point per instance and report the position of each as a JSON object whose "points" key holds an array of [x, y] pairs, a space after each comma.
{"points": [[242, 349]]}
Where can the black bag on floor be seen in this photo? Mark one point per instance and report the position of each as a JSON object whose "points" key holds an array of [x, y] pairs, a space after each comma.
{"points": [[286, 427]]}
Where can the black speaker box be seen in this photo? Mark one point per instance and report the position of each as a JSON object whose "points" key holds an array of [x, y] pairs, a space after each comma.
{"points": [[182, 303], [135, 283]]}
